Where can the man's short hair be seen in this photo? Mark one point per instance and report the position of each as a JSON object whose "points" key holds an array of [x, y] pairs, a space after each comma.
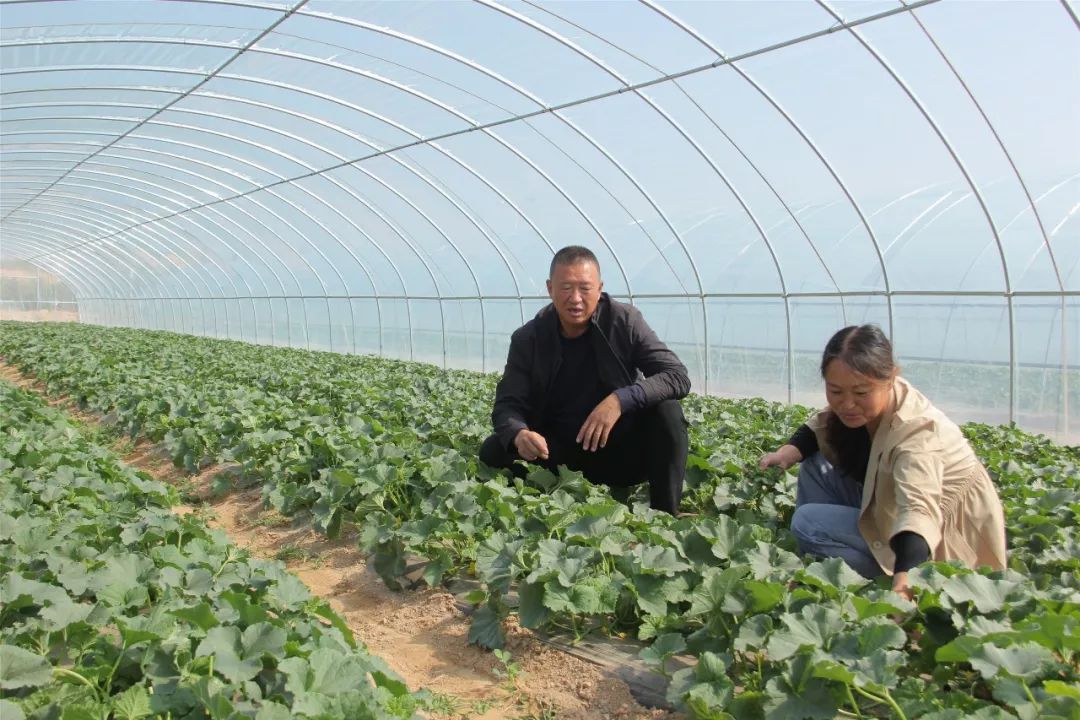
{"points": [[570, 255]]}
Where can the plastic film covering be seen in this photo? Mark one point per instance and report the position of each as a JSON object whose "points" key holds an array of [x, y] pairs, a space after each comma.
{"points": [[394, 177]]}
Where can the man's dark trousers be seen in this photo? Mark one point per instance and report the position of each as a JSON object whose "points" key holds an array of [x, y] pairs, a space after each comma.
{"points": [[650, 444]]}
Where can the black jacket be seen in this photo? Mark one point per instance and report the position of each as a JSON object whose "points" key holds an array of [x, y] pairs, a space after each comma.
{"points": [[627, 352]]}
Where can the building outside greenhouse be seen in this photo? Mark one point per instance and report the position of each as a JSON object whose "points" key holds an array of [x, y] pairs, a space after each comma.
{"points": [[393, 178]]}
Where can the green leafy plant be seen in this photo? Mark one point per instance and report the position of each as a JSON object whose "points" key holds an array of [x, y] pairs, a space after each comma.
{"points": [[508, 670], [390, 447], [115, 607]]}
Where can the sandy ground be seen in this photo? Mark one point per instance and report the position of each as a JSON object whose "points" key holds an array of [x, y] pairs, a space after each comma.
{"points": [[421, 634]]}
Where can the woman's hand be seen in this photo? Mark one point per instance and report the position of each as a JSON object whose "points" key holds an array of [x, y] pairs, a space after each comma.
{"points": [[783, 458], [900, 585]]}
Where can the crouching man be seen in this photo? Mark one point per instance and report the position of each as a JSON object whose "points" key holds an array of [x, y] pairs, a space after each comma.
{"points": [[589, 385]]}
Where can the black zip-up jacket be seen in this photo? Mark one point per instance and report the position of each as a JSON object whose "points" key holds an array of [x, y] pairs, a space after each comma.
{"points": [[627, 352]]}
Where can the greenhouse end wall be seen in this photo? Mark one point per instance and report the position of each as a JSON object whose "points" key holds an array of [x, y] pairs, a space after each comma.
{"points": [[31, 294], [955, 350]]}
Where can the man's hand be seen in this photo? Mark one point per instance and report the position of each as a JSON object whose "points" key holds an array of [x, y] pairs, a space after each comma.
{"points": [[531, 446], [594, 433], [783, 458]]}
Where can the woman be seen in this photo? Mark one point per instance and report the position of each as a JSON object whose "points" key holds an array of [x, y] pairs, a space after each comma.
{"points": [[887, 481]]}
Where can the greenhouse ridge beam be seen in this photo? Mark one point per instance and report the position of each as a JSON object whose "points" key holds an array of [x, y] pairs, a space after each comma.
{"points": [[640, 296]]}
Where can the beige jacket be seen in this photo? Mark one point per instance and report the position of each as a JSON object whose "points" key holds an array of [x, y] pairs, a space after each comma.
{"points": [[924, 477]]}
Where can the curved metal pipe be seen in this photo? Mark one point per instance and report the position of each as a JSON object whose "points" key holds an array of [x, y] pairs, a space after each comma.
{"points": [[806, 139], [204, 78], [82, 201], [971, 184]]}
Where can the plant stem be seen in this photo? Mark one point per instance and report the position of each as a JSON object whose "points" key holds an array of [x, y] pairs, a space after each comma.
{"points": [[112, 671], [64, 672], [853, 701], [867, 695], [805, 676], [228, 559], [1031, 697], [895, 706], [887, 700]]}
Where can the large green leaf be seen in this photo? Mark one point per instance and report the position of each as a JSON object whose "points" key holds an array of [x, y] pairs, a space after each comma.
{"points": [[273, 711], [132, 704], [877, 670], [754, 633], [20, 668], [705, 688], [769, 561], [986, 594], [10, 711], [662, 648], [486, 629], [814, 627], [832, 573], [725, 536], [531, 609], [590, 596], [122, 582], [1058, 632], [716, 587], [289, 592], [657, 560], [589, 528], [201, 615], [263, 639], [325, 672], [760, 596], [1057, 687], [211, 694], [495, 560], [1028, 661], [322, 609], [333, 672], [60, 615], [880, 635], [797, 695], [223, 644]]}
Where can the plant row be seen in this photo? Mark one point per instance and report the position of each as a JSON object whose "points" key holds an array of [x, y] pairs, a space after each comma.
{"points": [[115, 607], [390, 446]]}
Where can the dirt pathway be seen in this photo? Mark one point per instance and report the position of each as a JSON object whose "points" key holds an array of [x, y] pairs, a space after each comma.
{"points": [[421, 634]]}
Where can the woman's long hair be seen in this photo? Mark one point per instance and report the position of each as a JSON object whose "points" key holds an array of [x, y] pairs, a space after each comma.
{"points": [[866, 350]]}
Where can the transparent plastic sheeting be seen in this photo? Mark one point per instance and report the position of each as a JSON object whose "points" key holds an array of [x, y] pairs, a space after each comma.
{"points": [[393, 177]]}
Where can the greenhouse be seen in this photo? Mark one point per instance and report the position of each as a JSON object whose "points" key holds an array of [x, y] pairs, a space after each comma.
{"points": [[285, 244]]}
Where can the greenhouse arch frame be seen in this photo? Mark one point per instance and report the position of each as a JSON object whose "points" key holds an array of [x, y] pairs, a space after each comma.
{"points": [[394, 178]]}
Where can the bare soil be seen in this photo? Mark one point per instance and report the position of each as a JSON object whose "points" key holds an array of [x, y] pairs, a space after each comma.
{"points": [[421, 634]]}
